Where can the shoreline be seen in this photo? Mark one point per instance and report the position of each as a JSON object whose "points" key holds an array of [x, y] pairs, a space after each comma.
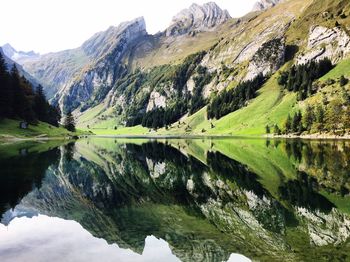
{"points": [[183, 136], [36, 138], [311, 137], [224, 136]]}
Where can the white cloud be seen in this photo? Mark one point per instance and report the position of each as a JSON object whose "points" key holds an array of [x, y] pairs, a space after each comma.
{"points": [[54, 25]]}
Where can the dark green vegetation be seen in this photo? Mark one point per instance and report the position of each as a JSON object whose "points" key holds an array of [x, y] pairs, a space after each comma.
{"points": [[324, 117], [19, 100], [254, 197], [300, 78], [229, 101], [69, 122], [181, 102]]}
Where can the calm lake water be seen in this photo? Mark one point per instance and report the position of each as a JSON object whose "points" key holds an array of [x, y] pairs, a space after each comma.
{"points": [[107, 199]]}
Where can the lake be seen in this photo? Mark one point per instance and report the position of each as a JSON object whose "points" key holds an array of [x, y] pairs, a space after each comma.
{"points": [[114, 199]]}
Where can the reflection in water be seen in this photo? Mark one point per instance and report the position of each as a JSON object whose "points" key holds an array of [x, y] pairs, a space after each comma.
{"points": [[207, 199], [52, 239]]}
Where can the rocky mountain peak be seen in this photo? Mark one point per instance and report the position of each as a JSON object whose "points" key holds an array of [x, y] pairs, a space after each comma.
{"points": [[15, 55], [105, 41], [197, 18], [265, 4]]}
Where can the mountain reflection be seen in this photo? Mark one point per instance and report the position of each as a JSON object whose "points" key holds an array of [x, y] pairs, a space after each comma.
{"points": [[206, 198]]}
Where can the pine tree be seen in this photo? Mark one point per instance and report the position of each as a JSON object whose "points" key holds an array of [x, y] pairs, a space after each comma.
{"points": [[288, 125], [5, 97], [343, 81], [277, 130], [296, 122], [320, 117], [69, 122], [346, 118], [54, 115], [267, 129], [334, 115], [21, 104], [346, 96], [308, 118], [41, 106]]}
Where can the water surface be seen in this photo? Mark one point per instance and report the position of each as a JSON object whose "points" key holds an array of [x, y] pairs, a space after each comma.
{"points": [[106, 199]]}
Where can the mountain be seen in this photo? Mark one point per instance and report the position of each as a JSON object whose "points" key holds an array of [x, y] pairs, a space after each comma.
{"points": [[60, 72], [17, 56], [197, 18], [22, 72], [177, 81], [265, 4]]}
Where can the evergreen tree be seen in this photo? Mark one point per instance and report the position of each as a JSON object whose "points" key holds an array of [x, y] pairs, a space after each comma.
{"points": [[346, 96], [5, 94], [21, 104], [346, 118], [296, 122], [54, 115], [41, 106], [334, 114], [267, 129], [320, 117], [343, 81], [277, 130], [288, 125], [308, 118], [300, 78], [69, 122]]}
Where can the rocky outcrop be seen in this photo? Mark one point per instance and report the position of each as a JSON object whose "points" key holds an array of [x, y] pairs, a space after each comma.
{"points": [[265, 4], [326, 43], [102, 74], [197, 18], [156, 100], [326, 229], [268, 59]]}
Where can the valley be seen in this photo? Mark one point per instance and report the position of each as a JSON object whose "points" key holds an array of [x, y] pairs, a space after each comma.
{"points": [[125, 81]]}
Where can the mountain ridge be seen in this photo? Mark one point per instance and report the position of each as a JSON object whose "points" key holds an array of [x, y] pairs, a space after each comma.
{"points": [[197, 18], [125, 76]]}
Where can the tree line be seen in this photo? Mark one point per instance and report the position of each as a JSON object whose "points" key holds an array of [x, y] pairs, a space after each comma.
{"points": [[231, 100], [19, 100], [160, 117], [327, 116], [300, 78]]}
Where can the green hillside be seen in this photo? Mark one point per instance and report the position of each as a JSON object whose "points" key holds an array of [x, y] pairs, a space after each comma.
{"points": [[10, 129]]}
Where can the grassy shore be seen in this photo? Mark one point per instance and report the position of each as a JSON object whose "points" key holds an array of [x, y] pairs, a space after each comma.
{"points": [[10, 130]]}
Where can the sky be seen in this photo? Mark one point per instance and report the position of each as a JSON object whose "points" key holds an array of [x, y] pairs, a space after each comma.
{"points": [[53, 25]]}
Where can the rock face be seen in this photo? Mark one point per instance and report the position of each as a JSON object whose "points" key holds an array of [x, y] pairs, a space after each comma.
{"points": [[156, 101], [107, 49], [265, 4], [268, 59], [326, 43], [197, 18]]}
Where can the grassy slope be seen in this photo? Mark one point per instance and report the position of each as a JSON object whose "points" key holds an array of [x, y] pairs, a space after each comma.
{"points": [[271, 106], [331, 91], [342, 68], [10, 128], [314, 15]]}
